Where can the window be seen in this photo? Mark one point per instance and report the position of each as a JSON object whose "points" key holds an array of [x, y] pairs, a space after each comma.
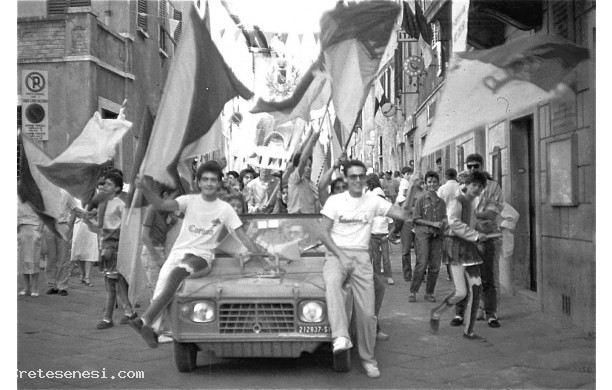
{"points": [[460, 158], [496, 164], [142, 15]]}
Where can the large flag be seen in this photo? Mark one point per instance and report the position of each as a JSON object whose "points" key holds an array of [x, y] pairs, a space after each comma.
{"points": [[312, 93], [353, 41], [78, 168], [415, 24], [485, 86], [44, 197], [199, 84]]}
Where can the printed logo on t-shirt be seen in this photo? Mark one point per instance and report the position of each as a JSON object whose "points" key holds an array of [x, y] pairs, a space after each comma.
{"points": [[353, 219], [205, 232]]}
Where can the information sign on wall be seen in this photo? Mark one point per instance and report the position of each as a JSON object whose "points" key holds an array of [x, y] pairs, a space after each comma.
{"points": [[34, 108]]}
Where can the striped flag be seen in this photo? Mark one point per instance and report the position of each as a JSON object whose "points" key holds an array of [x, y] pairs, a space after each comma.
{"points": [[415, 24], [78, 168], [354, 39], [199, 84], [44, 197]]}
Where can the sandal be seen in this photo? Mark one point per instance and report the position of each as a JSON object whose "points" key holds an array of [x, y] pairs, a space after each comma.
{"points": [[434, 323], [412, 297], [87, 282], [474, 337]]}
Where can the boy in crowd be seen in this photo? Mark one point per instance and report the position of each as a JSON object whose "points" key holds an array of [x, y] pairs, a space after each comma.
{"points": [[109, 227], [429, 220], [192, 253]]}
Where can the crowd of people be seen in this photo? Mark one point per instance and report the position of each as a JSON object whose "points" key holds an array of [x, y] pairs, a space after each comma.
{"points": [[361, 213]]}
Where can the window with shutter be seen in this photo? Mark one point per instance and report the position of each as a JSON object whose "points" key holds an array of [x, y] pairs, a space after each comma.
{"points": [[80, 3], [178, 15], [142, 15], [162, 31], [56, 7], [560, 16], [460, 158]]}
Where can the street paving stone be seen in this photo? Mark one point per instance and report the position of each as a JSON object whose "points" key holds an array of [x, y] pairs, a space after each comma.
{"points": [[530, 350]]}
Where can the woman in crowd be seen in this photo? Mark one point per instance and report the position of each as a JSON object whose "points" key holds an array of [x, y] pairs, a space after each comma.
{"points": [[29, 229]]}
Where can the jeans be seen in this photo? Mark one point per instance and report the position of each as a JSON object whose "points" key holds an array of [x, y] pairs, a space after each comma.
{"points": [[58, 259], [361, 281], [379, 294], [116, 287], [489, 282], [407, 237], [379, 247], [428, 256]]}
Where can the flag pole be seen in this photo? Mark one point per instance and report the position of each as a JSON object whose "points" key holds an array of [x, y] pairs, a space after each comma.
{"points": [[329, 137], [352, 131]]}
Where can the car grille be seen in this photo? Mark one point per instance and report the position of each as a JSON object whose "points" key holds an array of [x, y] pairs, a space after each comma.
{"points": [[256, 318]]}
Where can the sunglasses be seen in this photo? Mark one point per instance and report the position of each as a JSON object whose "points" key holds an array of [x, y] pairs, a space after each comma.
{"points": [[476, 166]]}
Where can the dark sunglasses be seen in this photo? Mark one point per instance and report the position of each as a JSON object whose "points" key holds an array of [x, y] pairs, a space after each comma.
{"points": [[470, 166]]}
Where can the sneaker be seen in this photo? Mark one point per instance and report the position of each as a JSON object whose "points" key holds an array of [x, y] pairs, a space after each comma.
{"points": [[381, 336], [145, 331], [34, 294], [22, 293], [371, 370], [162, 339], [342, 344], [52, 290], [429, 298], [474, 337], [457, 321], [412, 297], [125, 319], [105, 325], [493, 322], [390, 282], [63, 293]]}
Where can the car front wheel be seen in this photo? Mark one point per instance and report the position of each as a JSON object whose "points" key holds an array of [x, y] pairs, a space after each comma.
{"points": [[185, 356]]}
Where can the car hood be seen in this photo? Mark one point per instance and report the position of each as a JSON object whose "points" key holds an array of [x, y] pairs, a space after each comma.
{"points": [[255, 285]]}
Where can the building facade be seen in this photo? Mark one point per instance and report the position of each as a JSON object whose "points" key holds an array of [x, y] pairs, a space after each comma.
{"points": [[543, 157], [95, 55]]}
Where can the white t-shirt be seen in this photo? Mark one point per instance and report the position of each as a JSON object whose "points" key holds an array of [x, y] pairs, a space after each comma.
{"points": [[404, 185], [353, 218], [202, 225]]}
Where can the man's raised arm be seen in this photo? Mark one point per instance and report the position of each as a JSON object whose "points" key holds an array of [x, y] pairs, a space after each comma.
{"points": [[152, 197]]}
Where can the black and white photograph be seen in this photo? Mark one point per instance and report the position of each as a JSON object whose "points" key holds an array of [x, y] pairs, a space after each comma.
{"points": [[305, 194]]}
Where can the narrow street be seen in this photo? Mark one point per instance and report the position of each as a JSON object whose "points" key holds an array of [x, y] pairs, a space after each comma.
{"points": [[528, 351]]}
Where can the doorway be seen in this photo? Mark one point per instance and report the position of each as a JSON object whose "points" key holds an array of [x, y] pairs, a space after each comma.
{"points": [[523, 170]]}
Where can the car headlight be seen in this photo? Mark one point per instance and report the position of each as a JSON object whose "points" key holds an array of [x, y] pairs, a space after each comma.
{"points": [[311, 311], [202, 311]]}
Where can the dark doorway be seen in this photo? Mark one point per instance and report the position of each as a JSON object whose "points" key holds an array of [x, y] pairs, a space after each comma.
{"points": [[523, 171]]}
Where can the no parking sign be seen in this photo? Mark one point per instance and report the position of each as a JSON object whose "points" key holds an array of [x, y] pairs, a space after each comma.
{"points": [[35, 113]]}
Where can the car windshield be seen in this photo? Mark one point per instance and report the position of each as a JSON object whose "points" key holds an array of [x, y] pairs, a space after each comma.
{"points": [[289, 236]]}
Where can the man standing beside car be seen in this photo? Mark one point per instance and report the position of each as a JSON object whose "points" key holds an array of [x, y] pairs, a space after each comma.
{"points": [[346, 226]]}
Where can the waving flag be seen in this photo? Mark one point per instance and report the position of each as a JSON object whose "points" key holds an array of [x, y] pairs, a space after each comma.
{"points": [[312, 93], [354, 39], [44, 197], [199, 84], [78, 168], [484, 86]]}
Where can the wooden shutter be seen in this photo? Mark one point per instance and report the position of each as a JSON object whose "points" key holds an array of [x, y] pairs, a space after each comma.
{"points": [[561, 18], [80, 3], [178, 15], [142, 19], [56, 7], [162, 31]]}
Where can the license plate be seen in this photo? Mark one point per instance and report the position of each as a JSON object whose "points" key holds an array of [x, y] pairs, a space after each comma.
{"points": [[313, 329]]}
